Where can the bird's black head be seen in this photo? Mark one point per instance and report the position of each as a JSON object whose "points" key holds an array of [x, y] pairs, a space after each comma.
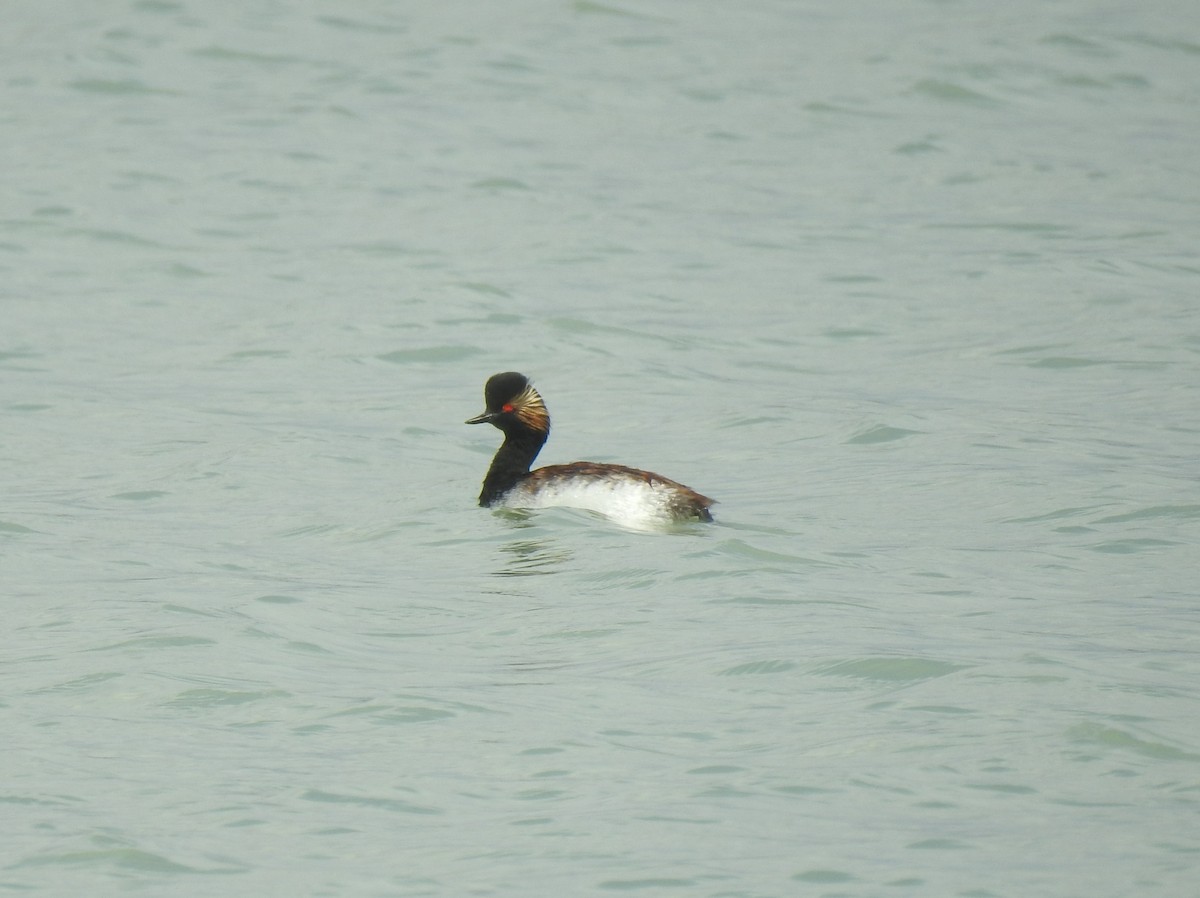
{"points": [[513, 405]]}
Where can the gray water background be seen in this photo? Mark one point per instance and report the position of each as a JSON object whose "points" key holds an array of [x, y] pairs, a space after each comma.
{"points": [[912, 288]]}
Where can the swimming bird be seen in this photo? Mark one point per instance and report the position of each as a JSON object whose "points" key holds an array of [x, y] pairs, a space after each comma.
{"points": [[625, 494]]}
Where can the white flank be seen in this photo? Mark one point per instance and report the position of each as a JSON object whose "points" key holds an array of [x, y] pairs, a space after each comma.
{"points": [[632, 503]]}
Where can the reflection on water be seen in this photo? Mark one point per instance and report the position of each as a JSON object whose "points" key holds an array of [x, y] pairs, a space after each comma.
{"points": [[532, 557]]}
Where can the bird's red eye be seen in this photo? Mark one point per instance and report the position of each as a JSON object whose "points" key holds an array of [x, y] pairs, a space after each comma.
{"points": [[507, 407]]}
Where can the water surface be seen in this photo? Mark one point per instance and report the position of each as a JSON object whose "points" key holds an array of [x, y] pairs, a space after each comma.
{"points": [[911, 290]]}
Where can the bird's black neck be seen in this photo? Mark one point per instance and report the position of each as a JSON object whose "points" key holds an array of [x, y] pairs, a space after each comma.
{"points": [[511, 463]]}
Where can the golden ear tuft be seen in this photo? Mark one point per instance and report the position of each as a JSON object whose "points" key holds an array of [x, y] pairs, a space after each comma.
{"points": [[531, 410]]}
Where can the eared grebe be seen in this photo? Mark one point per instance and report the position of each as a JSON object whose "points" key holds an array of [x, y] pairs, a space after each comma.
{"points": [[624, 494]]}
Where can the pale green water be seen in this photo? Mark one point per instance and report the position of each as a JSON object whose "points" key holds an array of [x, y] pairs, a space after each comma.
{"points": [[910, 288]]}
